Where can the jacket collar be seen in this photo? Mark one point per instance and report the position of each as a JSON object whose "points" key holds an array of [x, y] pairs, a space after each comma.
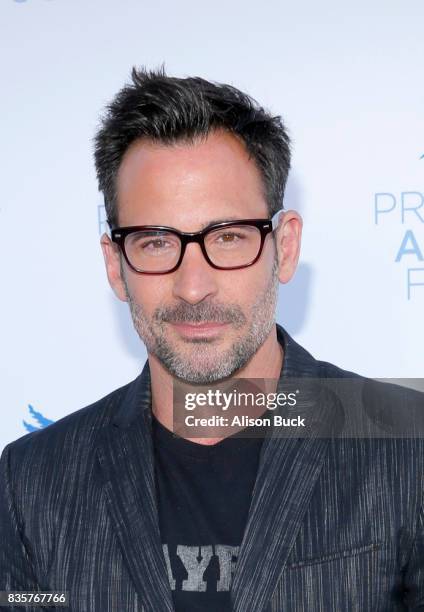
{"points": [[287, 472], [297, 363]]}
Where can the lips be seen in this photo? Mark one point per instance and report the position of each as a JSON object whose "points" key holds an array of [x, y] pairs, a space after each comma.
{"points": [[203, 328]]}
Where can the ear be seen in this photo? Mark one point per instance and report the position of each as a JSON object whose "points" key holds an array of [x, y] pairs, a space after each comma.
{"points": [[288, 237], [112, 259]]}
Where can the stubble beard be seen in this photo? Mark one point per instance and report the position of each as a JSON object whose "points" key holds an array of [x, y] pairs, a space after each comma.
{"points": [[204, 362]]}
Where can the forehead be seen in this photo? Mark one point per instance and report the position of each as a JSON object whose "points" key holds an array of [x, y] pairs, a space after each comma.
{"points": [[189, 183]]}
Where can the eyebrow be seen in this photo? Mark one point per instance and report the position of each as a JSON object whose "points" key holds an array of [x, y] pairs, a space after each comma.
{"points": [[209, 223], [222, 220]]}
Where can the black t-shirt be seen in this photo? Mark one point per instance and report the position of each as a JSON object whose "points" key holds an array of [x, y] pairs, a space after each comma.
{"points": [[204, 493]]}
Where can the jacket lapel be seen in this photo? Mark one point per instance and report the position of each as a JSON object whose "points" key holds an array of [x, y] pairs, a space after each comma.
{"points": [[287, 473], [125, 453]]}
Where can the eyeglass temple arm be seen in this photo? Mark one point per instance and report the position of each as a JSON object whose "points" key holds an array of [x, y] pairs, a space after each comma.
{"points": [[275, 219]]}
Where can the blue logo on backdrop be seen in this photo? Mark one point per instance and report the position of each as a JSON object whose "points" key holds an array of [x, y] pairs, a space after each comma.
{"points": [[408, 207], [39, 418]]}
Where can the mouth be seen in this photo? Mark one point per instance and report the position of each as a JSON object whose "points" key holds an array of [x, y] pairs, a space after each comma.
{"points": [[204, 329]]}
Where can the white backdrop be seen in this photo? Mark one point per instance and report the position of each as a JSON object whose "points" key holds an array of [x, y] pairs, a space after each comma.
{"points": [[348, 81]]}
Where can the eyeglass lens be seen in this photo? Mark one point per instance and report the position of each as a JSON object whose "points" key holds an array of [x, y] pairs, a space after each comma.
{"points": [[159, 250]]}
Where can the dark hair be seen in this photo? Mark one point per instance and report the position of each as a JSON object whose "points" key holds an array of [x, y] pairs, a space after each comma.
{"points": [[168, 109]]}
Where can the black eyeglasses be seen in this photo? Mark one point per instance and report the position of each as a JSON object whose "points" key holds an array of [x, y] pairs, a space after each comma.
{"points": [[157, 249]]}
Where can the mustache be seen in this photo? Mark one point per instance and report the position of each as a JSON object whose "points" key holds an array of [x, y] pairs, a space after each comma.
{"points": [[199, 313]]}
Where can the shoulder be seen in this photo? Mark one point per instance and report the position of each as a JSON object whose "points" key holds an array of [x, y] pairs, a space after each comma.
{"points": [[382, 417], [387, 389], [70, 436], [301, 363]]}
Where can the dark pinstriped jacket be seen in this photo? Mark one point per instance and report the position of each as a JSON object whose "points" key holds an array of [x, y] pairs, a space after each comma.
{"points": [[334, 525]]}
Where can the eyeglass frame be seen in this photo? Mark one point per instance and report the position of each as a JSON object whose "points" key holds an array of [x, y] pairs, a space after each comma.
{"points": [[265, 226]]}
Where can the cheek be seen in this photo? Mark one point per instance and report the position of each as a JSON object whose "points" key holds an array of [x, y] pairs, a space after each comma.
{"points": [[149, 292], [244, 286]]}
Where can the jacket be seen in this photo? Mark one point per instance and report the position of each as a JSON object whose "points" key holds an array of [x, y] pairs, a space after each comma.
{"points": [[335, 524]]}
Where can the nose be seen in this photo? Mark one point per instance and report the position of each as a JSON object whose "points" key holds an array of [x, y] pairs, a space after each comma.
{"points": [[195, 279]]}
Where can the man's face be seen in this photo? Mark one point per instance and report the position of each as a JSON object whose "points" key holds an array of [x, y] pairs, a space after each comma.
{"points": [[188, 187]]}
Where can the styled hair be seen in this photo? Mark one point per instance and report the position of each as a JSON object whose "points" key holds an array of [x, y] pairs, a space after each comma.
{"points": [[167, 109]]}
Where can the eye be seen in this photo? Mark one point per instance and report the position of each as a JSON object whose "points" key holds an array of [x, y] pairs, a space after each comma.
{"points": [[154, 244], [229, 237]]}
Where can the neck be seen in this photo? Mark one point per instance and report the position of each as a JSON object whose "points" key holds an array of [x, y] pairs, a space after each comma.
{"points": [[265, 363]]}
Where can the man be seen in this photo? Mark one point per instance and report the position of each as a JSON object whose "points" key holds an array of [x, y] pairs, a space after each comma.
{"points": [[112, 507]]}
